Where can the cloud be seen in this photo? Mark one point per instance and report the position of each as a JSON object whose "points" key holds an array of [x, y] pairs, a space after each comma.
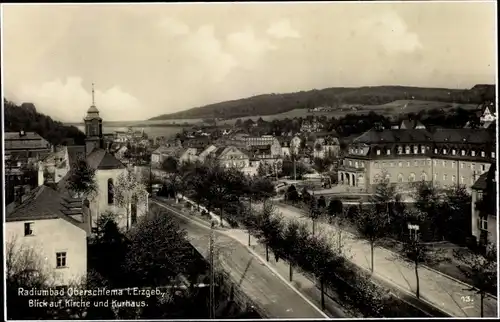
{"points": [[173, 26], [247, 47], [282, 29], [391, 31], [207, 56], [68, 100]]}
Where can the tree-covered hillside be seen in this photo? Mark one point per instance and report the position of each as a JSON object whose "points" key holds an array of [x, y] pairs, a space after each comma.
{"points": [[269, 104], [25, 117]]}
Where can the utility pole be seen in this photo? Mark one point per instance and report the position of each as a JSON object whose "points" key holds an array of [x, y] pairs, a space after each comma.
{"points": [[294, 168], [212, 274]]}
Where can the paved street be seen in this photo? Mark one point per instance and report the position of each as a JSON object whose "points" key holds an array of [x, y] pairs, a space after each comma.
{"points": [[272, 294], [448, 294]]}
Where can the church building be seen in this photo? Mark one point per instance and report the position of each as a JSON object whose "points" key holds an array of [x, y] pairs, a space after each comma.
{"points": [[107, 168]]}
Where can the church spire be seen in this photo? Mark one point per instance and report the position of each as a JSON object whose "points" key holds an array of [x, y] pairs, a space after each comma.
{"points": [[93, 95]]}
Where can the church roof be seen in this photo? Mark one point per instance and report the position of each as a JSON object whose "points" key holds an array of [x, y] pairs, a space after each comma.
{"points": [[92, 109], [101, 159]]}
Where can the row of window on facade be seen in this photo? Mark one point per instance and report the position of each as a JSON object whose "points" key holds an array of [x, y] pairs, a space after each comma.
{"points": [[423, 149], [423, 177], [417, 163]]}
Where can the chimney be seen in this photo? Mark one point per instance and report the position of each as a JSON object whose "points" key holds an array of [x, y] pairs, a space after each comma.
{"points": [[17, 195]]}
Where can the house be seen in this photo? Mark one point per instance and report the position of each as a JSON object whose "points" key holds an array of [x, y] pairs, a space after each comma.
{"points": [[295, 144], [484, 215], [326, 147], [179, 153], [264, 140], [26, 145], [488, 113], [202, 156], [230, 156], [55, 228], [310, 125]]}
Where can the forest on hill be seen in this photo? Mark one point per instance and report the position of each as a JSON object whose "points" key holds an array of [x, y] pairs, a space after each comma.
{"points": [[335, 97], [25, 117]]}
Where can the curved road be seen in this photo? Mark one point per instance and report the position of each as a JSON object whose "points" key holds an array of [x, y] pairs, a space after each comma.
{"points": [[269, 292]]}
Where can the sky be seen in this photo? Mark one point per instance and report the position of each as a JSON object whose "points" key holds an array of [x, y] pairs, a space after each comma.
{"points": [[152, 59]]}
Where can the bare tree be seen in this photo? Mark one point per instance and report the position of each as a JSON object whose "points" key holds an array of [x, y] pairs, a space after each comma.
{"points": [[372, 226], [128, 190]]}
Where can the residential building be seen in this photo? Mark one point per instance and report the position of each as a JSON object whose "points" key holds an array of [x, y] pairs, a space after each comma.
{"points": [[295, 144], [230, 156], [484, 215], [179, 153], [310, 125], [445, 157], [55, 229], [488, 112], [25, 145]]}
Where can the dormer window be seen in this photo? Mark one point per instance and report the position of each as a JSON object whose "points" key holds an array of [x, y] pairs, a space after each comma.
{"points": [[415, 149], [422, 149], [388, 152], [435, 151], [378, 152], [444, 151], [453, 152], [473, 153], [482, 154], [463, 152], [407, 149], [400, 149], [493, 155]]}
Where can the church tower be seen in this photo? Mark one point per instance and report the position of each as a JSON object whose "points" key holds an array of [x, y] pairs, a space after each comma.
{"points": [[93, 127]]}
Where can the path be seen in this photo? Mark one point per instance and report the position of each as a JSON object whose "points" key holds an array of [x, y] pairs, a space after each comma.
{"points": [[443, 292]]}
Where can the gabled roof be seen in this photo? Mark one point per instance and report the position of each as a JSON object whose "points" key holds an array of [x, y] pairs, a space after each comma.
{"points": [[103, 160], [481, 182], [45, 203], [75, 152]]}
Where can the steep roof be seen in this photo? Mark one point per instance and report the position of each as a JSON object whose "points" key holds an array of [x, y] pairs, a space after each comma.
{"points": [[75, 152], [103, 160], [394, 136], [482, 182], [462, 135], [45, 203]]}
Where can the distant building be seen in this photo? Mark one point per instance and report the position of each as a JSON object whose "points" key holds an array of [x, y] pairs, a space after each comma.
{"points": [[446, 156], [311, 126], [25, 145], [179, 153]]}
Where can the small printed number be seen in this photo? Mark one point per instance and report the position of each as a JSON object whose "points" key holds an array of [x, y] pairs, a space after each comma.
{"points": [[467, 299]]}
